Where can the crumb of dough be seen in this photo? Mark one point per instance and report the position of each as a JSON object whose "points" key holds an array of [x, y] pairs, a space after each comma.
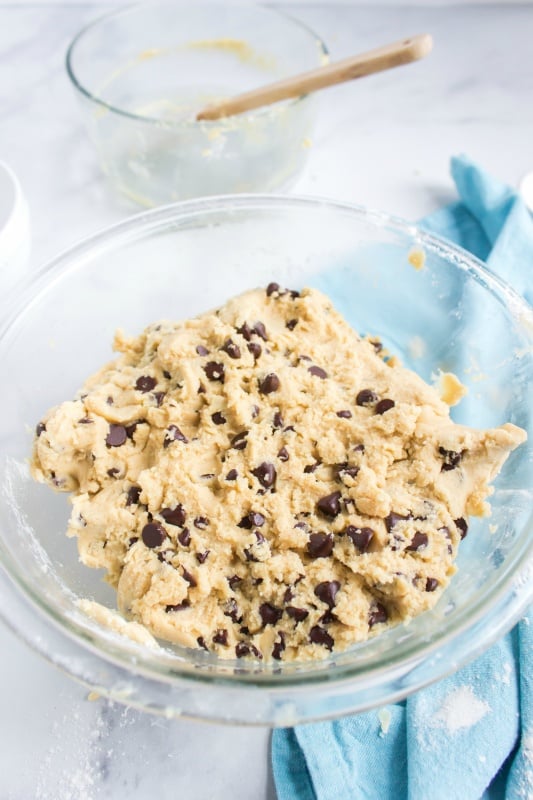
{"points": [[450, 388], [417, 258], [259, 482]]}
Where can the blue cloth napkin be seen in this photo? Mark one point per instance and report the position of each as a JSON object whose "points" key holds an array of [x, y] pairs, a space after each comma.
{"points": [[471, 735]]}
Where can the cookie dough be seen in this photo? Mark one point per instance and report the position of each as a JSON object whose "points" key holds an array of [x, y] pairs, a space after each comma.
{"points": [[261, 481]]}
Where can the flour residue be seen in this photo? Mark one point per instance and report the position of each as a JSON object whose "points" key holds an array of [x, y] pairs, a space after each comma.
{"points": [[460, 709], [385, 718]]}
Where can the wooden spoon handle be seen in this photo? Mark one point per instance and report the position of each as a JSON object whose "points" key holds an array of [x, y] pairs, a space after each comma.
{"points": [[378, 60]]}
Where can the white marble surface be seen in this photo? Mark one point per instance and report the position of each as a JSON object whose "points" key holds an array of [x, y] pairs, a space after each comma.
{"points": [[385, 142]]}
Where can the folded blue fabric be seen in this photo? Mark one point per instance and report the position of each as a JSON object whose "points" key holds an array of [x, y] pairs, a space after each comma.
{"points": [[469, 737]]}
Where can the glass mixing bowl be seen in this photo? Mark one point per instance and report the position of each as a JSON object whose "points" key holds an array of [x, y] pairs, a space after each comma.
{"points": [[142, 73], [175, 262]]}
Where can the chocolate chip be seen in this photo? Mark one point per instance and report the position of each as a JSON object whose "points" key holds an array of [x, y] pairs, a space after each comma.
{"points": [[271, 288], [82, 421], [345, 414], [238, 442], [207, 475], [451, 458], [201, 389], [298, 614], [132, 540], [252, 520], [366, 397], [346, 469], [288, 594], [269, 614], [40, 428], [113, 472], [265, 474], [462, 526], [178, 606], [232, 475], [233, 350], [132, 498], [109, 401], [255, 411], [214, 371], [431, 584], [311, 467], [220, 636], [145, 383], [174, 516], [318, 372], [191, 580], [259, 328], [393, 518], [361, 537], [131, 428], [279, 646], [218, 418], [184, 537], [269, 384], [201, 643], [173, 434], [201, 523], [327, 591], [245, 331], [201, 350], [291, 324], [159, 397], [260, 539], [377, 614], [283, 454], [377, 345], [201, 557], [320, 545], [234, 581], [255, 349], [418, 541], [242, 650], [167, 374], [117, 435], [153, 534], [330, 505], [231, 610], [277, 421], [319, 635], [446, 532], [384, 405]]}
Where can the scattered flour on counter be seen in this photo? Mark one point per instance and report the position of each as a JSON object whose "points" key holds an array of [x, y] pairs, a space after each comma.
{"points": [[461, 709]]}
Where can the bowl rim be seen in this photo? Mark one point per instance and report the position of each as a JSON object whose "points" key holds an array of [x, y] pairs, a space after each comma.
{"points": [[186, 124], [127, 655]]}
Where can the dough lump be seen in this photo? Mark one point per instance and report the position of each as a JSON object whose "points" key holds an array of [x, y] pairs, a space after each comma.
{"points": [[260, 482]]}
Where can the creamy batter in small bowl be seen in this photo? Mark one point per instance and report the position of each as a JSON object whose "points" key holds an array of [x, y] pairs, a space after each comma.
{"points": [[142, 74], [179, 261]]}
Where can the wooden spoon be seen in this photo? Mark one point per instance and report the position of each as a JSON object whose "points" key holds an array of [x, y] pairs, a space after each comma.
{"points": [[378, 60]]}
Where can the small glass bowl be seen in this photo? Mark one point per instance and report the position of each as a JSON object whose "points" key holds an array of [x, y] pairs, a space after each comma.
{"points": [[142, 74], [176, 262]]}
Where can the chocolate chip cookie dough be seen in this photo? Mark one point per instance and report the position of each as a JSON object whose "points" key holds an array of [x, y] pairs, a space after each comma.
{"points": [[260, 482]]}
